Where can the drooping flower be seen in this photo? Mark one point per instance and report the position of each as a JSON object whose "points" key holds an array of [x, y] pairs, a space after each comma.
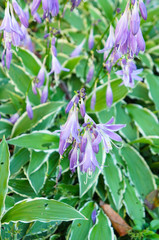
{"points": [[44, 95], [93, 216], [110, 41], [91, 39], [35, 5], [21, 14], [135, 20], [76, 52], [29, 109], [109, 95], [90, 74], [75, 3], [50, 7], [14, 118], [143, 10], [70, 130], [56, 66]]}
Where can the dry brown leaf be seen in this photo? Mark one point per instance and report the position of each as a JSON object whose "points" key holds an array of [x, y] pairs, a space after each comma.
{"points": [[152, 199], [118, 222]]}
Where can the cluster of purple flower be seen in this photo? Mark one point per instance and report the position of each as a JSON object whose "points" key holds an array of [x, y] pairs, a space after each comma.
{"points": [[13, 33], [125, 43], [85, 140]]}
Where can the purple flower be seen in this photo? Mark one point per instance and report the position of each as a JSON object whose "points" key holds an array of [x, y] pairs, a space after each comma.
{"points": [[109, 96], [93, 216], [106, 133], [14, 118], [82, 108], [70, 130], [29, 109], [75, 3], [21, 14], [143, 10], [41, 77], [93, 100], [8, 58], [129, 73], [27, 42], [73, 158], [76, 52], [110, 41], [37, 17], [50, 7], [56, 66], [35, 5], [7, 22], [44, 95], [90, 74], [135, 20], [121, 31], [140, 41], [91, 39]]}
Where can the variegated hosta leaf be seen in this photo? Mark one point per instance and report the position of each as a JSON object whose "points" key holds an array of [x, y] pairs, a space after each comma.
{"points": [[41, 209], [80, 228], [102, 229], [4, 174], [138, 171], [113, 180]]}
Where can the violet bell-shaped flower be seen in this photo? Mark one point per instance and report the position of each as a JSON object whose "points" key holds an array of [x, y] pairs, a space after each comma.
{"points": [[110, 41], [7, 22], [129, 73], [143, 10], [90, 74], [14, 118], [93, 100], [106, 133], [29, 109], [50, 7], [135, 20], [76, 52], [91, 39], [70, 130], [56, 66], [75, 3], [21, 14], [35, 5], [73, 158], [121, 31], [44, 95], [109, 95]]}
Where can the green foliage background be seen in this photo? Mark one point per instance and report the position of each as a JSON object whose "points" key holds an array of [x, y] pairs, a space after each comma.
{"points": [[30, 165]]}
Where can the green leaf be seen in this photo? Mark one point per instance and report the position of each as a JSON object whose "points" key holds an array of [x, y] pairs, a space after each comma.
{"points": [[145, 120], [18, 160], [21, 187], [108, 8], [30, 61], [154, 224], [118, 94], [113, 179], [22, 81], [102, 229], [5, 128], [140, 92], [41, 209], [153, 85], [133, 204], [37, 159], [136, 165], [40, 113], [4, 173], [85, 181], [38, 140], [37, 179], [70, 64], [130, 130], [80, 228]]}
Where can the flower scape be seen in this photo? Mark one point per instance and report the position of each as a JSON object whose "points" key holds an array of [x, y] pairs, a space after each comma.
{"points": [[79, 111]]}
